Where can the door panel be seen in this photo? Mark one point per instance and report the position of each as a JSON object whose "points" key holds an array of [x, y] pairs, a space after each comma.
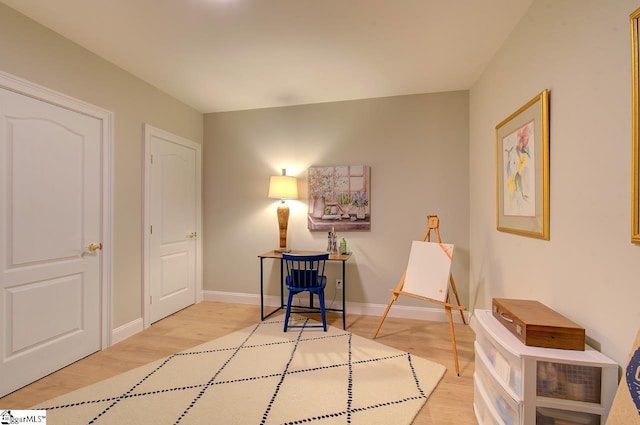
{"points": [[175, 273], [50, 198], [39, 147], [174, 221], [22, 300]]}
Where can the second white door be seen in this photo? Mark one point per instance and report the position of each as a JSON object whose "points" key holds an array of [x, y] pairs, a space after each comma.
{"points": [[173, 216]]}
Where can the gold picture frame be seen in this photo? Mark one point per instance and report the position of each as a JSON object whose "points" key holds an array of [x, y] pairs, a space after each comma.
{"points": [[635, 110], [522, 170]]}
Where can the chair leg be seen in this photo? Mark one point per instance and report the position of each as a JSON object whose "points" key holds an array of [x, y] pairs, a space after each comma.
{"points": [[288, 312], [322, 312]]}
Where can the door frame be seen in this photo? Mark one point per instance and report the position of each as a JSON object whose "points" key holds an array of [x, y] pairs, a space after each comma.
{"points": [[150, 131], [38, 92]]}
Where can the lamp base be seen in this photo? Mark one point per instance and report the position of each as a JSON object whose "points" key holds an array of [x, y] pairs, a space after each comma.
{"points": [[283, 220]]}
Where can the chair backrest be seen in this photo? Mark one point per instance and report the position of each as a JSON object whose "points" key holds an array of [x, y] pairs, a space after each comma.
{"points": [[305, 271]]}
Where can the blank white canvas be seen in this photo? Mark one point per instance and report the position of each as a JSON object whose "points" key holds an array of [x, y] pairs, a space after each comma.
{"points": [[429, 269]]}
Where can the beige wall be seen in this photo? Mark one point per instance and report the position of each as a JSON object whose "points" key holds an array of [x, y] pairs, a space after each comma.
{"points": [[34, 53], [416, 146], [580, 51]]}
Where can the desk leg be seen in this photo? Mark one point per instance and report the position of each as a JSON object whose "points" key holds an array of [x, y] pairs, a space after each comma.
{"points": [[281, 283], [264, 316], [261, 289], [344, 308]]}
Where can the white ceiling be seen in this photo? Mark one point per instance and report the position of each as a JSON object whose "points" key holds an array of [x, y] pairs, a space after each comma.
{"points": [[225, 55]]}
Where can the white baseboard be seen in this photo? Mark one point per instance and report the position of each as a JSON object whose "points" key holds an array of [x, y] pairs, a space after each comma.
{"points": [[400, 311], [125, 331]]}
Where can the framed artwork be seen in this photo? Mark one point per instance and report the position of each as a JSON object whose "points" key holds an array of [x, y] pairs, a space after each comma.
{"points": [[339, 198], [522, 170], [635, 110]]}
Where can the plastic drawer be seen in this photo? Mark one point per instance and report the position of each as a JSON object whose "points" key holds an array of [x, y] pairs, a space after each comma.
{"points": [[484, 413], [568, 381], [550, 416], [508, 366], [507, 408]]}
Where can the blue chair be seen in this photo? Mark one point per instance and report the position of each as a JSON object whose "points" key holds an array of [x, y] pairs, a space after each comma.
{"points": [[305, 273]]}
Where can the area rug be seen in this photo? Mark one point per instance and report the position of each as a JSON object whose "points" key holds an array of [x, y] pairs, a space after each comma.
{"points": [[261, 375]]}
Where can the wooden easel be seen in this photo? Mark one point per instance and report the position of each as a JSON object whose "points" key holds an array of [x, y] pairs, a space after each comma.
{"points": [[433, 223]]}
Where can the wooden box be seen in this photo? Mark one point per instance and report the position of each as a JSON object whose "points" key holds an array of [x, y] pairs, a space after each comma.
{"points": [[537, 325]]}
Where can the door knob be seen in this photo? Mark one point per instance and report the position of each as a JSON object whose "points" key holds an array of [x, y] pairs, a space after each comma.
{"points": [[93, 247], [192, 235]]}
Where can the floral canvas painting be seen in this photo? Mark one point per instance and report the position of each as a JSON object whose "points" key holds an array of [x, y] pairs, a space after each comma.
{"points": [[339, 198], [518, 158]]}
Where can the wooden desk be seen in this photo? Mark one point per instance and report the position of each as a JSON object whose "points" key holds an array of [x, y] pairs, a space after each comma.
{"points": [[278, 256]]}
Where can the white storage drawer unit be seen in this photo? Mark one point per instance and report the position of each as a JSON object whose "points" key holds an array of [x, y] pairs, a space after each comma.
{"points": [[515, 384]]}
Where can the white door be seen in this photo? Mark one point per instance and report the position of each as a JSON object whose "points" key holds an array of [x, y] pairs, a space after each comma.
{"points": [[50, 212], [173, 216]]}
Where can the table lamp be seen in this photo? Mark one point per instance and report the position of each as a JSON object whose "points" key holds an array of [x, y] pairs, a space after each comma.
{"points": [[283, 187]]}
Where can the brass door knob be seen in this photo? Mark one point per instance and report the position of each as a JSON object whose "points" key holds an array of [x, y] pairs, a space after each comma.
{"points": [[93, 247], [192, 235]]}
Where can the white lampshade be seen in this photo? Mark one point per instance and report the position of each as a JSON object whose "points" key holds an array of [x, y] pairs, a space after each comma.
{"points": [[283, 187]]}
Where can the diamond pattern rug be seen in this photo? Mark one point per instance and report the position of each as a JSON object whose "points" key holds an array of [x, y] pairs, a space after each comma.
{"points": [[261, 375]]}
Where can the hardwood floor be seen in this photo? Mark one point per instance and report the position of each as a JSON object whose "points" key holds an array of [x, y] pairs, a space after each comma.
{"points": [[451, 402]]}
